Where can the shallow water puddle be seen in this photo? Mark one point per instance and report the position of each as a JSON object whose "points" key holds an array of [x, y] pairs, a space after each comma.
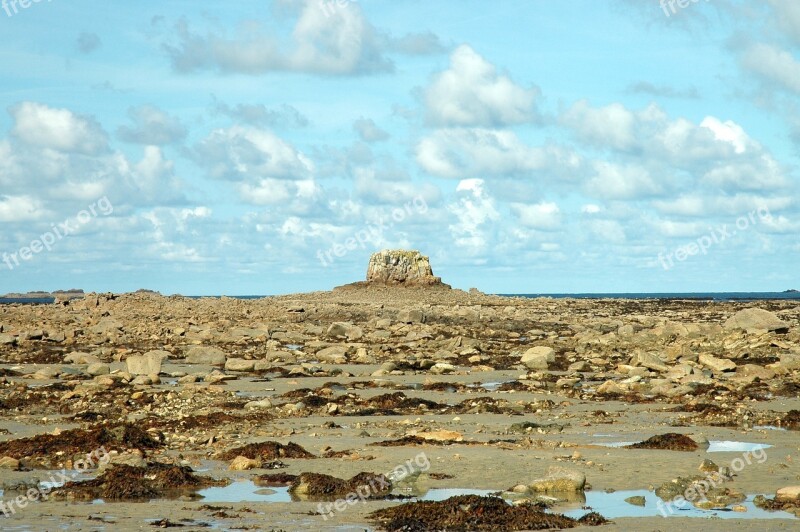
{"points": [[613, 506], [245, 491], [714, 446]]}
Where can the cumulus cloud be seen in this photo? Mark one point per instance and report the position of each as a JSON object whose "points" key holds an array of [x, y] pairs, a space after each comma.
{"points": [[773, 65], [338, 43], [472, 93], [152, 126], [720, 153], [458, 153], [475, 214], [57, 129], [242, 153], [616, 182]]}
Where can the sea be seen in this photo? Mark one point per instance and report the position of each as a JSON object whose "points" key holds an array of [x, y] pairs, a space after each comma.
{"points": [[695, 296]]}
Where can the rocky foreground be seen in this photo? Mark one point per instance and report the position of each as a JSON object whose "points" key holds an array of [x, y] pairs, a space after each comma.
{"points": [[324, 393]]}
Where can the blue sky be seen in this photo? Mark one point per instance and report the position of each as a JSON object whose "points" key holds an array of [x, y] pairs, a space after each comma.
{"points": [[266, 147]]}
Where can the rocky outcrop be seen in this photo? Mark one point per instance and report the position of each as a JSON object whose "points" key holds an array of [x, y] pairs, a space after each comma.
{"points": [[401, 268], [755, 320]]}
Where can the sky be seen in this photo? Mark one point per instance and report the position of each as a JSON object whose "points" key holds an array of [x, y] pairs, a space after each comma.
{"points": [[269, 147]]}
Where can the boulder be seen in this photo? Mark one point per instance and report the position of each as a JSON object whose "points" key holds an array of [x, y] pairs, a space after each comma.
{"points": [[97, 369], [7, 339], [649, 361], [239, 364], [559, 480], [538, 357], [789, 493], [7, 462], [335, 354], [346, 330], [80, 358], [756, 320], [107, 326], [146, 364], [211, 356], [411, 316], [242, 463]]}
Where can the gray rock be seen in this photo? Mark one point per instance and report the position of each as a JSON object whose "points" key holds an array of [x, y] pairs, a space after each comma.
{"points": [[98, 368], [205, 355], [7, 339], [649, 361], [756, 319], [411, 316], [538, 357], [333, 355], [146, 364], [80, 358], [107, 326]]}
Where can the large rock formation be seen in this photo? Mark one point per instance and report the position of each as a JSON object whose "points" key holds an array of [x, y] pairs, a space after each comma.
{"points": [[401, 267]]}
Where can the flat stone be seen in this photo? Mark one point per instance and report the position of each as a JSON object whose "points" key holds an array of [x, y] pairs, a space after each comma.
{"points": [[239, 364], [717, 365], [649, 361]]}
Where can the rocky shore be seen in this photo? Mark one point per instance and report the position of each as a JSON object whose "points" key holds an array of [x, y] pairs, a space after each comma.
{"points": [[322, 394]]}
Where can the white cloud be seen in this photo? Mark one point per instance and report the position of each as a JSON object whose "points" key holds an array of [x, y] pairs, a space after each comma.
{"points": [[616, 182], [459, 153], [542, 216], [152, 126], [57, 129], [612, 125], [475, 213], [472, 93], [323, 41], [243, 153], [608, 230], [20, 209], [773, 65]]}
